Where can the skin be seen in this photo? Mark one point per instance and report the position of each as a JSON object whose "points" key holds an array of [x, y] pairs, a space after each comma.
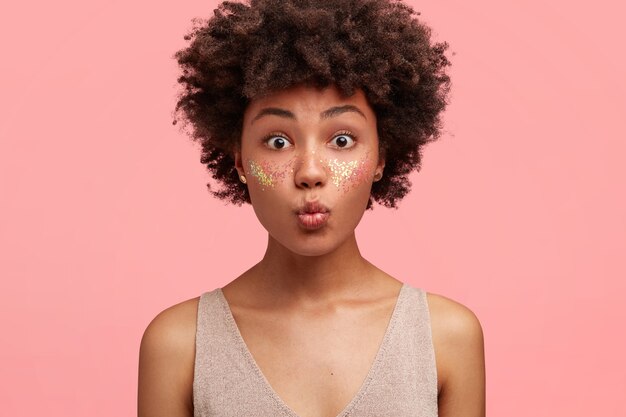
{"points": [[311, 284]]}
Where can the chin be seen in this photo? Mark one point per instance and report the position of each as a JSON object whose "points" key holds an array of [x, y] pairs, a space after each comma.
{"points": [[309, 244], [311, 250]]}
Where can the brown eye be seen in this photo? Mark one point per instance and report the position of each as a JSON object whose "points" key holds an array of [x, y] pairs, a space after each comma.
{"points": [[343, 141], [277, 142]]}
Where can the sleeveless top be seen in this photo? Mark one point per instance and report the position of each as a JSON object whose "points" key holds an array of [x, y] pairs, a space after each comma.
{"points": [[401, 382]]}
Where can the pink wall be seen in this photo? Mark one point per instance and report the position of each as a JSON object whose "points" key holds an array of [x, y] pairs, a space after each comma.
{"points": [[519, 211]]}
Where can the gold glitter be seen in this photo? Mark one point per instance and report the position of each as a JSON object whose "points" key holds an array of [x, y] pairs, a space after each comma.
{"points": [[269, 174], [257, 171], [341, 171], [348, 174]]}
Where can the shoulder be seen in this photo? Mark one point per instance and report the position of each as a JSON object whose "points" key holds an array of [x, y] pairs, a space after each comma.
{"points": [[172, 326], [452, 321], [459, 350], [166, 361]]}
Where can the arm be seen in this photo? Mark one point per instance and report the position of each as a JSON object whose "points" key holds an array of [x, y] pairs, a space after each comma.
{"points": [[459, 351], [166, 363]]}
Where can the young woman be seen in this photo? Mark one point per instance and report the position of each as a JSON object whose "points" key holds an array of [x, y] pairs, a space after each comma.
{"points": [[310, 111]]}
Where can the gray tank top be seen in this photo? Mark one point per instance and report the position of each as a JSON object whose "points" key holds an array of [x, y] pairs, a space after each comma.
{"points": [[401, 382]]}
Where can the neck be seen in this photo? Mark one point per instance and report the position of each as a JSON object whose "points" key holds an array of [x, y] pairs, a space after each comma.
{"points": [[328, 277]]}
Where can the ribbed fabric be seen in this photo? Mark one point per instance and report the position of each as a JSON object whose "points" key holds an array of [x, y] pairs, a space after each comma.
{"points": [[402, 381]]}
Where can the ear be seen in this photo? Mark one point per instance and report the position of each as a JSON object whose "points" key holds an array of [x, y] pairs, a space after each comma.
{"points": [[378, 172], [238, 162], [381, 165]]}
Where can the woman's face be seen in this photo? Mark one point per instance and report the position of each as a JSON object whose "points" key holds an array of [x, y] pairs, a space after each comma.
{"points": [[309, 157]]}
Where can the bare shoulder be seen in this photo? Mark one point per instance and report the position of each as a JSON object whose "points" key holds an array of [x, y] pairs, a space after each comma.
{"points": [[452, 321], [166, 362], [174, 324], [459, 349]]}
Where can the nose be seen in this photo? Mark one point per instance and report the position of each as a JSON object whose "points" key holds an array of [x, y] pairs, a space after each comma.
{"points": [[310, 171]]}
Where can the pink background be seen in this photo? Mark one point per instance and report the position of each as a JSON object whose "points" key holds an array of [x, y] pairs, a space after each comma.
{"points": [[519, 211]]}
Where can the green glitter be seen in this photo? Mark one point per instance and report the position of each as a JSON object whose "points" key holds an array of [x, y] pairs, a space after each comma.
{"points": [[257, 171], [342, 171], [270, 174]]}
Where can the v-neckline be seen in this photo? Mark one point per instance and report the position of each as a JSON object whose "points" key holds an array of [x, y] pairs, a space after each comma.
{"points": [[265, 382]]}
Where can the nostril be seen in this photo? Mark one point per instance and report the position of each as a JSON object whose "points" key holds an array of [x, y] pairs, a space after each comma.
{"points": [[309, 175], [305, 184]]}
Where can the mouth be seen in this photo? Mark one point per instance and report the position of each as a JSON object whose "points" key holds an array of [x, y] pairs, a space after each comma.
{"points": [[313, 215]]}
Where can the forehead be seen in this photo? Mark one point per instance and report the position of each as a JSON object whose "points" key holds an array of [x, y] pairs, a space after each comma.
{"points": [[305, 99]]}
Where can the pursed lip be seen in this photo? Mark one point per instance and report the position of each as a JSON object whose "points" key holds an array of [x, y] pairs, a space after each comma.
{"points": [[312, 207], [312, 215]]}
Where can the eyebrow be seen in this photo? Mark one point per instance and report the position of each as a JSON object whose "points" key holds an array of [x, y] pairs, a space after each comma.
{"points": [[336, 111], [326, 114], [274, 111]]}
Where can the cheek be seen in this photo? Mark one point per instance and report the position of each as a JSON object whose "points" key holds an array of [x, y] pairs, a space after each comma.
{"points": [[348, 175], [268, 174]]}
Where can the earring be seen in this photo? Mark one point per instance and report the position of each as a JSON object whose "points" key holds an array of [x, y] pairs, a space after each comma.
{"points": [[242, 178]]}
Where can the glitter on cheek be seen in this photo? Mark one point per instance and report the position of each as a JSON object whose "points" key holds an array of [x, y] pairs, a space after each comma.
{"points": [[341, 171], [257, 171], [348, 174], [269, 174]]}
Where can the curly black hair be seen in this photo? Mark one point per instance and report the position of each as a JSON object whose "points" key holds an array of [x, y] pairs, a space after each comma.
{"points": [[249, 49]]}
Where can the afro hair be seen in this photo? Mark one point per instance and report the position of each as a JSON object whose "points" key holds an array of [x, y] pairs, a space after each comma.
{"points": [[249, 49]]}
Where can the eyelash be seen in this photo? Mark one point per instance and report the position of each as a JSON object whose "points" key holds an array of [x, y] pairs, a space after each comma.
{"points": [[269, 136], [346, 133]]}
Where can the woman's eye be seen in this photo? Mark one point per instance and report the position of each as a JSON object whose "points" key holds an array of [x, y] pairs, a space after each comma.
{"points": [[343, 141], [277, 142]]}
